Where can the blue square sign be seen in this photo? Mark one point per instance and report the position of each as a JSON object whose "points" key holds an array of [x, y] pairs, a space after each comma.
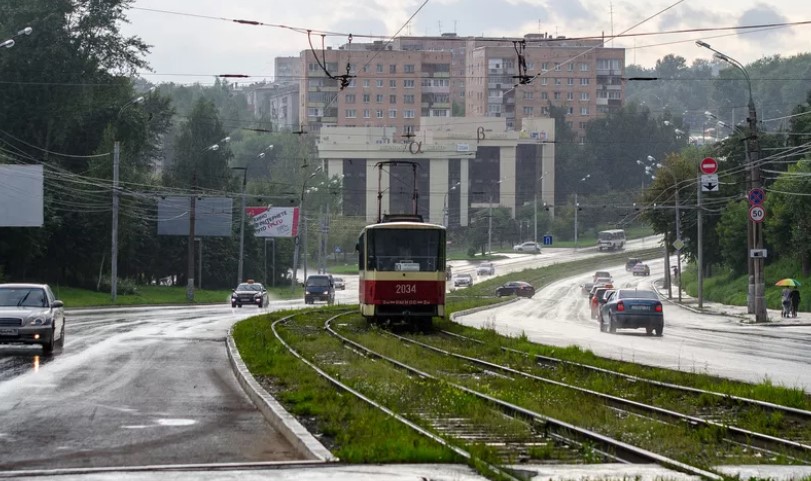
{"points": [[547, 240]]}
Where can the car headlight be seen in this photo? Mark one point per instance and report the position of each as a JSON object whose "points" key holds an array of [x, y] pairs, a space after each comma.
{"points": [[234, 296], [326, 292], [39, 322]]}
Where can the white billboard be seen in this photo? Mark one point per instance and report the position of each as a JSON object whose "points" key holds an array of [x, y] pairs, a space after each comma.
{"points": [[21, 188], [274, 221]]}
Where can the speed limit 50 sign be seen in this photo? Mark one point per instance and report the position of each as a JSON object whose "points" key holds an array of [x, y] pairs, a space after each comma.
{"points": [[757, 213]]}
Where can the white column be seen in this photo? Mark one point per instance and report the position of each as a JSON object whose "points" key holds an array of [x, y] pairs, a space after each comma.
{"points": [[507, 188], [437, 186], [464, 193]]}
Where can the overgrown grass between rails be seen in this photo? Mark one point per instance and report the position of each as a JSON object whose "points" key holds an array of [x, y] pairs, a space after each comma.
{"points": [[350, 428]]}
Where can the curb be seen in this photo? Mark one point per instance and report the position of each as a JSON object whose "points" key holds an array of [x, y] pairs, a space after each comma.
{"points": [[304, 442]]}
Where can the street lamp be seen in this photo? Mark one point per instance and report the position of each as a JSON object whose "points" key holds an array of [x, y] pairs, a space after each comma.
{"points": [[755, 234], [445, 203], [242, 222], [576, 208], [535, 206], [298, 232], [677, 229], [10, 42], [116, 194]]}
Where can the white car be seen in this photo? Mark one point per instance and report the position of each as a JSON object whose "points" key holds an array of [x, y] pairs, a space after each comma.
{"points": [[462, 280], [485, 269], [531, 247], [30, 314]]}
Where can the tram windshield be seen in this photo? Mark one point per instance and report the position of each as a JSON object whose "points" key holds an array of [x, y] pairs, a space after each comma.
{"points": [[406, 250]]}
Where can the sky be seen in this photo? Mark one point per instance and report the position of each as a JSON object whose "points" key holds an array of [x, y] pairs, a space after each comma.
{"points": [[192, 48]]}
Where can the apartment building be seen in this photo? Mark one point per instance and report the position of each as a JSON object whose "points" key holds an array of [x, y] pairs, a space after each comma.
{"points": [[383, 87], [581, 76]]}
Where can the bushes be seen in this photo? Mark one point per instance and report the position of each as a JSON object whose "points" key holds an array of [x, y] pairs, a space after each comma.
{"points": [[124, 286]]}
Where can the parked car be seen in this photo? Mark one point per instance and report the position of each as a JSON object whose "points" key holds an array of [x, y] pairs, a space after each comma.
{"points": [[531, 247], [319, 287], [598, 299], [485, 269], [641, 269], [632, 309], [516, 288], [249, 293], [339, 283], [600, 274], [632, 261], [30, 314], [462, 280]]}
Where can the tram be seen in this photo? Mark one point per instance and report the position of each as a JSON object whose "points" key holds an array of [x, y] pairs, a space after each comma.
{"points": [[401, 265]]}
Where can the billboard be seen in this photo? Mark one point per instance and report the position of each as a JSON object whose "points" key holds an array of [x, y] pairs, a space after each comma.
{"points": [[212, 216], [21, 202], [274, 221]]}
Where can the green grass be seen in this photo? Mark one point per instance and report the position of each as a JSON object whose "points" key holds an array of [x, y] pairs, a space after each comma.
{"points": [[157, 295]]}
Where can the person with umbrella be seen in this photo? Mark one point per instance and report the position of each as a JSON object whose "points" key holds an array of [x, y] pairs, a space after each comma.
{"points": [[790, 297]]}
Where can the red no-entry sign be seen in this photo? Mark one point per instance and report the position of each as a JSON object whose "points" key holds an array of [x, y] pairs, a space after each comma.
{"points": [[709, 166]]}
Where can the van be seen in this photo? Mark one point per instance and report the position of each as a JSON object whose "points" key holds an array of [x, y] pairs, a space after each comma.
{"points": [[319, 287]]}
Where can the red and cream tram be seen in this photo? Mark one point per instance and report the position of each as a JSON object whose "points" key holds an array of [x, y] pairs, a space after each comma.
{"points": [[402, 271]]}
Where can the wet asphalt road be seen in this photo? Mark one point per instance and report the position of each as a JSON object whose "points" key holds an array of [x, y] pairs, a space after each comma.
{"points": [[134, 387]]}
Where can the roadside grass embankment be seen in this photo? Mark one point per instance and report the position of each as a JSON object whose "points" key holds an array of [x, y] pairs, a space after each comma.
{"points": [[74, 297]]}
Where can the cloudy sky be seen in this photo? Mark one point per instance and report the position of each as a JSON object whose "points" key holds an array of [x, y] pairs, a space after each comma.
{"points": [[193, 47]]}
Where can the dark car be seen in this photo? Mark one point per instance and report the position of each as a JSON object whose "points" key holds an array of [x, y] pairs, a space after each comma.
{"points": [[632, 309], [30, 314], [631, 263], [598, 299], [319, 287], [249, 294], [516, 288]]}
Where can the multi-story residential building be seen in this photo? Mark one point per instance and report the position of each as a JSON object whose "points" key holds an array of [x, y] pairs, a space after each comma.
{"points": [[388, 88], [464, 168], [581, 76]]}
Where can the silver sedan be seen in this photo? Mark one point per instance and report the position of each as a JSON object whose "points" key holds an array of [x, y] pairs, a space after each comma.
{"points": [[30, 314]]}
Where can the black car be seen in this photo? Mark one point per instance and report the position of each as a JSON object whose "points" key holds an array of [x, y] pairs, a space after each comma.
{"points": [[249, 293], [319, 287], [516, 288], [632, 309]]}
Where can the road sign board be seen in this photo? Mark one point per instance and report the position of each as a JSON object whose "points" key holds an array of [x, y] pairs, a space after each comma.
{"points": [[709, 183], [678, 244], [709, 166], [757, 253], [547, 240], [756, 196], [757, 213]]}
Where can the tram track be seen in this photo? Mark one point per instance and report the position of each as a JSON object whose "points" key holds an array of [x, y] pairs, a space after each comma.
{"points": [[587, 441]]}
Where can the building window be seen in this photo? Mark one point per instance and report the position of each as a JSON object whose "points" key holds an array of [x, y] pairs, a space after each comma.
{"points": [[569, 95], [350, 113], [528, 110], [379, 68], [570, 80], [409, 113], [408, 68], [545, 110], [409, 83], [584, 67], [528, 95], [584, 95], [392, 99], [558, 81], [392, 113], [544, 96], [365, 113], [557, 67], [393, 83], [408, 99], [314, 112], [350, 98], [544, 81], [584, 110], [584, 81], [557, 96], [570, 111], [545, 67], [366, 83], [570, 67], [440, 113], [365, 69], [379, 113], [366, 98], [379, 98], [393, 68], [379, 83]]}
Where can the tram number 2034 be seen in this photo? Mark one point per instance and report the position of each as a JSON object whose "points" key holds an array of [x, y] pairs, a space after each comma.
{"points": [[406, 288]]}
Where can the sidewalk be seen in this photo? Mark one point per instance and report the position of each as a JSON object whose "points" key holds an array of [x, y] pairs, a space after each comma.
{"points": [[739, 312]]}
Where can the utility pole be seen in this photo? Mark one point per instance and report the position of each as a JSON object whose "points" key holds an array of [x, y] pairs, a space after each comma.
{"points": [[576, 208], [678, 237], [190, 264], [114, 254], [700, 233]]}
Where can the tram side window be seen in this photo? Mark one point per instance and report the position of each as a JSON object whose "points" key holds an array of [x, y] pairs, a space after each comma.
{"points": [[360, 249]]}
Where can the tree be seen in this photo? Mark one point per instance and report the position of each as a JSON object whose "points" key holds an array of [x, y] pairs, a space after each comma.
{"points": [[788, 226]]}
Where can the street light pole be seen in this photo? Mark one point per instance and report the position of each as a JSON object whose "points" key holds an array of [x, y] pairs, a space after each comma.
{"points": [[576, 208], [755, 240], [242, 222], [490, 220], [445, 204]]}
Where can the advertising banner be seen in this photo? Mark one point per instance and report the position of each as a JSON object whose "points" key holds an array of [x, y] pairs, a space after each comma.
{"points": [[21, 203], [274, 221]]}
